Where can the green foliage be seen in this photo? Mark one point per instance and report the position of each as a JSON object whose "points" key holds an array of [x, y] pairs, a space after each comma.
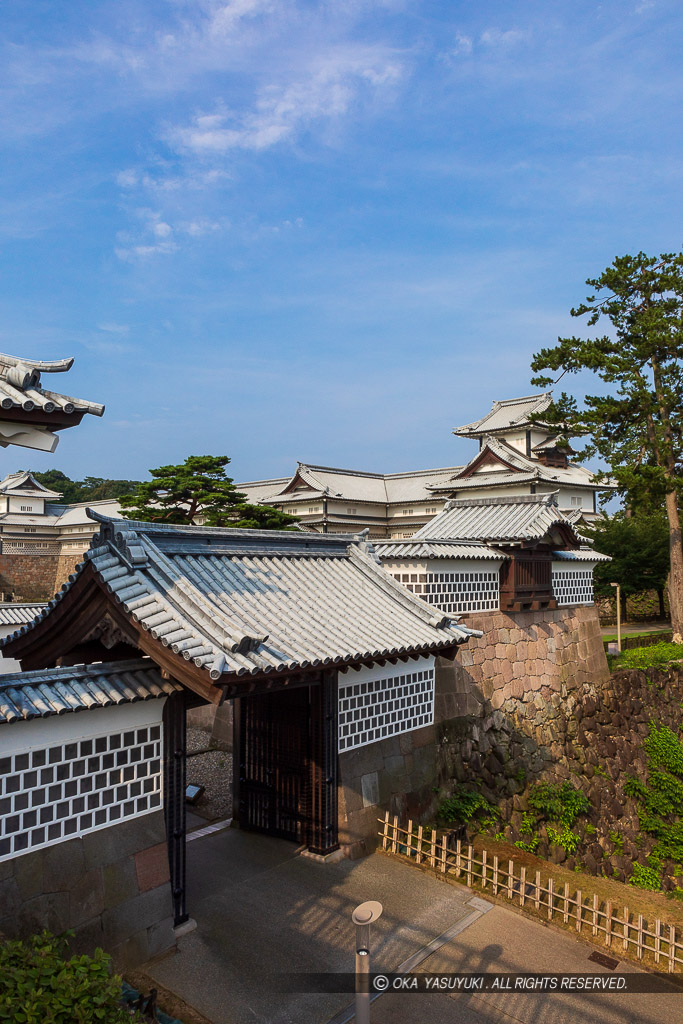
{"points": [[40, 986], [645, 878], [660, 800], [92, 488], [528, 824], [655, 656], [558, 802], [529, 847], [465, 806], [565, 838], [636, 425], [639, 548], [664, 749], [198, 491], [618, 841], [589, 829]]}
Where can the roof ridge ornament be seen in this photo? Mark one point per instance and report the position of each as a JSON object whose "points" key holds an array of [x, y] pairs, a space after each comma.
{"points": [[129, 544]]}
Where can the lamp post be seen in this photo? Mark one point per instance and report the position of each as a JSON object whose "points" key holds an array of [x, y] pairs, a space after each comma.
{"points": [[363, 916], [618, 590]]}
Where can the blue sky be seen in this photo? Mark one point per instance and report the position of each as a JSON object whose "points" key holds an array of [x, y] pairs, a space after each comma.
{"points": [[327, 231]]}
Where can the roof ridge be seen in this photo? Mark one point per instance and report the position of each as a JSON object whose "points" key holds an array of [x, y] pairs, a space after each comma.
{"points": [[513, 499]]}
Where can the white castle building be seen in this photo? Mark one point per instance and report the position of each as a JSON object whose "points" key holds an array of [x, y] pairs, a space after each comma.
{"points": [[517, 457]]}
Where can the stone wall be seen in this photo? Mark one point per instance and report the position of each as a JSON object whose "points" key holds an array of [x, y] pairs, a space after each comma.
{"points": [[30, 577], [111, 887], [502, 713], [399, 773], [524, 653]]}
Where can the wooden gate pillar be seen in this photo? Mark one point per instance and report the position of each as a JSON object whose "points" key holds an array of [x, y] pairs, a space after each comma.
{"points": [[323, 822], [174, 799]]}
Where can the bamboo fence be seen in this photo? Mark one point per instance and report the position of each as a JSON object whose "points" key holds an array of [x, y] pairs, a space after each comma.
{"points": [[617, 928]]}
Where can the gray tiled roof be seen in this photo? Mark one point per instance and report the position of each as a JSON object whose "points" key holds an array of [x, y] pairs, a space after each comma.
{"points": [[245, 602], [17, 614], [581, 556], [26, 486], [508, 414], [436, 549], [21, 387], [349, 485], [505, 519], [55, 691]]}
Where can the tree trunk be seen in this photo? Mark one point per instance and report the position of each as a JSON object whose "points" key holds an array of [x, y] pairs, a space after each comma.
{"points": [[660, 596], [676, 574]]}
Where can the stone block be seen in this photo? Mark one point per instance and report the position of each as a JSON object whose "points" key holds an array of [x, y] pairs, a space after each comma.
{"points": [[405, 743], [133, 951], [350, 798], [423, 737], [152, 867], [51, 911], [370, 788], [160, 937], [124, 921], [87, 937], [10, 897], [63, 863], [86, 897], [28, 873], [7, 869], [111, 844], [120, 882], [359, 762]]}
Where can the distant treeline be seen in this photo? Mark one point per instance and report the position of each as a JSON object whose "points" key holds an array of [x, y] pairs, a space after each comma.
{"points": [[92, 488]]}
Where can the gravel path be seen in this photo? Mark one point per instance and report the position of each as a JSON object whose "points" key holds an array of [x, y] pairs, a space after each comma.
{"points": [[213, 770]]}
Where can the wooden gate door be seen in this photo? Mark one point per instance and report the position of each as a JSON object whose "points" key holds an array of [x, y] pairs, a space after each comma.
{"points": [[275, 776]]}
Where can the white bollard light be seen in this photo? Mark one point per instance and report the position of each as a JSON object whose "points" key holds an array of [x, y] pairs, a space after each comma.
{"points": [[363, 916]]}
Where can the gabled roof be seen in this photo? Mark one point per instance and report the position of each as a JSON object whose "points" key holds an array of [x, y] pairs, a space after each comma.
{"points": [[26, 486], [469, 550], [505, 415], [234, 603], [497, 451], [319, 482], [30, 412], [55, 691], [521, 469], [500, 520]]}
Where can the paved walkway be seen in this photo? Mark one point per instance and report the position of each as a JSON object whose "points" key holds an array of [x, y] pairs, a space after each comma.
{"points": [[629, 628], [262, 910]]}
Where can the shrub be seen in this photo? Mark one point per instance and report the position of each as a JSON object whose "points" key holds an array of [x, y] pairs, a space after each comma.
{"points": [[648, 657], [567, 839], [465, 806], [562, 803], [40, 986], [645, 878]]}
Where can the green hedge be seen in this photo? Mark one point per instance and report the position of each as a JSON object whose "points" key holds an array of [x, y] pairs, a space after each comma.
{"points": [[656, 655], [39, 985]]}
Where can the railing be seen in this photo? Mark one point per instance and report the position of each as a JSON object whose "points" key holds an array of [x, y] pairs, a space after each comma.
{"points": [[628, 643], [612, 926]]}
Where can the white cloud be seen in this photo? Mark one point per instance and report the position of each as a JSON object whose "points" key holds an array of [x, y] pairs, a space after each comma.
{"points": [[326, 90], [463, 45], [496, 37], [112, 328]]}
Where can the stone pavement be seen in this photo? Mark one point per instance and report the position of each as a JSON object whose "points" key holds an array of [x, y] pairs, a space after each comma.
{"points": [[262, 910]]}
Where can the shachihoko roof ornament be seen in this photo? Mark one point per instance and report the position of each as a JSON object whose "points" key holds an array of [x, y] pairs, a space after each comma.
{"points": [[30, 414]]}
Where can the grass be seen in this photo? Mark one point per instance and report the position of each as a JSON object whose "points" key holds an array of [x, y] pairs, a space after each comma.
{"points": [[655, 656]]}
